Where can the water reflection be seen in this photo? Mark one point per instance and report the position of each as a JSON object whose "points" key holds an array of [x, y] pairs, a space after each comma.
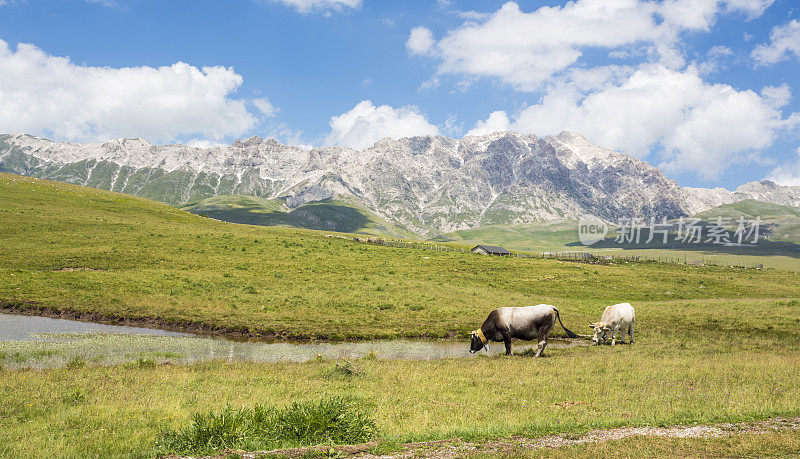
{"points": [[40, 342]]}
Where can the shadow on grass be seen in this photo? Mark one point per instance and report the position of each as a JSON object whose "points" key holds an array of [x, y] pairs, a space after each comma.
{"points": [[317, 216], [763, 247]]}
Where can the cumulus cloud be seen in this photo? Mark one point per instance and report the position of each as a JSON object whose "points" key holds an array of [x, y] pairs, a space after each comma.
{"points": [[692, 125], [420, 41], [524, 50], [365, 124], [307, 6], [265, 107], [48, 95], [787, 174], [777, 96], [715, 59], [784, 42], [497, 122], [752, 8]]}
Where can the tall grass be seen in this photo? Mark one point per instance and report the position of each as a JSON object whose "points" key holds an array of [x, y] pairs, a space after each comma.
{"points": [[326, 422]]}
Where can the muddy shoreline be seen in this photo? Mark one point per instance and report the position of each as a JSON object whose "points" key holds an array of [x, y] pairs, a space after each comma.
{"points": [[235, 333]]}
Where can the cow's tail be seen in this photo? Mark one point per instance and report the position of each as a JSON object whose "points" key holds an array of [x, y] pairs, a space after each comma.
{"points": [[570, 333]]}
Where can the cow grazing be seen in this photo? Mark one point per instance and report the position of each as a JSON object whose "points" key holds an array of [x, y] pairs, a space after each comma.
{"points": [[616, 319], [526, 323]]}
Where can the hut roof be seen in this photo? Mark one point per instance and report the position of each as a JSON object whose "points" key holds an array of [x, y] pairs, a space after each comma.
{"points": [[493, 249]]}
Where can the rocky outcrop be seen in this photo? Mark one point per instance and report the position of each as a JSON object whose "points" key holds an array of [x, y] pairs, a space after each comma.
{"points": [[428, 184]]}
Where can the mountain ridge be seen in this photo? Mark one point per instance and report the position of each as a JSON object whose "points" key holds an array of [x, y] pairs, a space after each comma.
{"points": [[428, 184]]}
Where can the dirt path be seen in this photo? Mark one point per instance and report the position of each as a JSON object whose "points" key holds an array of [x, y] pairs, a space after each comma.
{"points": [[459, 448]]}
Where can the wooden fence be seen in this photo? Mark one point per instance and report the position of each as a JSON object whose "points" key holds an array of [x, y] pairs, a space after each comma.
{"points": [[581, 257]]}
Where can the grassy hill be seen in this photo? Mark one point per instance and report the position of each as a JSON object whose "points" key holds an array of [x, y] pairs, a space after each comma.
{"points": [[78, 249], [530, 237], [779, 246], [782, 222], [329, 215], [702, 333]]}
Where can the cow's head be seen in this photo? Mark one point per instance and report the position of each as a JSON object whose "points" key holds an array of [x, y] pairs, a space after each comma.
{"points": [[600, 331], [476, 343]]}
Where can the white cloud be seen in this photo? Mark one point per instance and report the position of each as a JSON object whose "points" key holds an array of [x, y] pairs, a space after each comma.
{"points": [[307, 6], [687, 14], [452, 127], [525, 50], [715, 60], [720, 51], [420, 41], [48, 95], [365, 124], [282, 133], [107, 3], [693, 125], [753, 8], [473, 15], [777, 96], [784, 41], [787, 174], [265, 107], [497, 122], [204, 143]]}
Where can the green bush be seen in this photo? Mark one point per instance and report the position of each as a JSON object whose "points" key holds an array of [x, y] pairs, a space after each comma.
{"points": [[326, 422]]}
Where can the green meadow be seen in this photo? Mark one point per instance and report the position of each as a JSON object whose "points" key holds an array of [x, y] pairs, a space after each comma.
{"points": [[713, 344], [776, 248]]}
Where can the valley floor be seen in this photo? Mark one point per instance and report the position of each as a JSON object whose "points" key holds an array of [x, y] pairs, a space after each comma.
{"points": [[701, 378], [713, 345]]}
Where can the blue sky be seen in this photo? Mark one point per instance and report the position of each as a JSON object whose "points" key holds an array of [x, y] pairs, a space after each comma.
{"points": [[705, 89]]}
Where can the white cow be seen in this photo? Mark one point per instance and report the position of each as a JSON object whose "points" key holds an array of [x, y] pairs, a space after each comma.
{"points": [[618, 318]]}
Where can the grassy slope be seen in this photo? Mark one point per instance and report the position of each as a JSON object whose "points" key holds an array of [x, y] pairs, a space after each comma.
{"points": [[713, 344], [146, 259], [783, 221], [532, 237], [780, 251]]}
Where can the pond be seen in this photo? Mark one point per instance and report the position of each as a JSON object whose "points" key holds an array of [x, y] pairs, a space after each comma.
{"points": [[41, 342]]}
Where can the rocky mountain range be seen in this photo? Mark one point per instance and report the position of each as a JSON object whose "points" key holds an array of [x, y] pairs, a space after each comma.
{"points": [[428, 185]]}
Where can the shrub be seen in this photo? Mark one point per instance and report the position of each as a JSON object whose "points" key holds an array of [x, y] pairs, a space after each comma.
{"points": [[76, 362], [331, 421], [344, 371]]}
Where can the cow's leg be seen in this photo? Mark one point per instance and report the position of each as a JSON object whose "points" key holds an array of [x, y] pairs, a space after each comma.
{"points": [[542, 344], [507, 341], [622, 333], [614, 335], [630, 331]]}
